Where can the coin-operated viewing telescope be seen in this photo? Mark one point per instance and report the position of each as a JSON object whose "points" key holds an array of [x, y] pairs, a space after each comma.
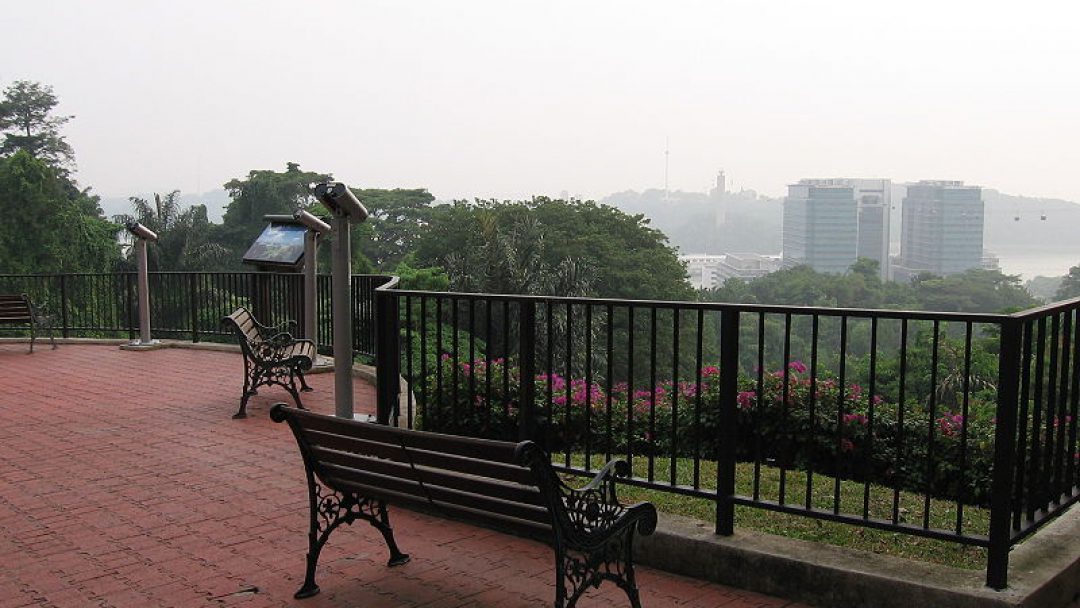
{"points": [[142, 234], [341, 202]]}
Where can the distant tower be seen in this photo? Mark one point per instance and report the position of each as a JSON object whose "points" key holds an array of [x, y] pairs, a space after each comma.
{"points": [[718, 195]]}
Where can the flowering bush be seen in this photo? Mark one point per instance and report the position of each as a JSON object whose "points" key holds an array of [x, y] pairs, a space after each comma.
{"points": [[785, 418]]}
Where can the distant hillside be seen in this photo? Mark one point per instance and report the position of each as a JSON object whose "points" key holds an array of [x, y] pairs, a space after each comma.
{"points": [[696, 223], [215, 201]]}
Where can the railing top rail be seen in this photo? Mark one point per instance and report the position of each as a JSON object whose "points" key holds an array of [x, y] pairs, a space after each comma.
{"points": [[917, 315], [1048, 309]]}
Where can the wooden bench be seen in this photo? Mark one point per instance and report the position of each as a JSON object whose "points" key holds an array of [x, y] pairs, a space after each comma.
{"points": [[16, 309], [271, 356], [355, 468]]}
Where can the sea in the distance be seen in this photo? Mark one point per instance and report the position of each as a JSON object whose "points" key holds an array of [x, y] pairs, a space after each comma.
{"points": [[1031, 264]]}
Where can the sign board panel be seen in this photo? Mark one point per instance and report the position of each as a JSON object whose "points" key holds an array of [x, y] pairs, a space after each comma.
{"points": [[280, 245]]}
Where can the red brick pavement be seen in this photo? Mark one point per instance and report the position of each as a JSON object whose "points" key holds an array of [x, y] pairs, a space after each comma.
{"points": [[124, 482]]}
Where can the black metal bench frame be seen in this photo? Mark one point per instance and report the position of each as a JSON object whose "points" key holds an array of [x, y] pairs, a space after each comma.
{"points": [[354, 469], [17, 309], [271, 356]]}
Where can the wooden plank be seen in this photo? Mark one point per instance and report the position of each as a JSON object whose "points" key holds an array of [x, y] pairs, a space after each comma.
{"points": [[476, 484], [392, 451], [384, 487], [469, 447]]}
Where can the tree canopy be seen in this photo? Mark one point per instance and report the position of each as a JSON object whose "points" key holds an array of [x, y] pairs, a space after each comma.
{"points": [[262, 192], [183, 234], [544, 245], [49, 225], [976, 290], [27, 123]]}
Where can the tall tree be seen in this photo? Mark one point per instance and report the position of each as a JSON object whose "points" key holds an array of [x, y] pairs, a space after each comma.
{"points": [[183, 234], [627, 257], [1070, 285], [27, 123], [49, 226], [396, 220], [262, 192]]}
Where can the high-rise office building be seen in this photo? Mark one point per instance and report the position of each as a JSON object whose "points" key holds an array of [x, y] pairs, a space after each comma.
{"points": [[820, 227], [941, 229], [873, 201]]}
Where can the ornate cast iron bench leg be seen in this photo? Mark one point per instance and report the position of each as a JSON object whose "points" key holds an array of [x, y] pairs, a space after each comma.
{"points": [[303, 383], [330, 510]]}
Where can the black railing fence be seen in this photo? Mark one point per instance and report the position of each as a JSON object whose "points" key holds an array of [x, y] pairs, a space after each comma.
{"points": [[959, 427], [189, 305]]}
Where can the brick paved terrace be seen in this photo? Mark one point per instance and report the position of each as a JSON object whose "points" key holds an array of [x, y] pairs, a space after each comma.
{"points": [[126, 483]]}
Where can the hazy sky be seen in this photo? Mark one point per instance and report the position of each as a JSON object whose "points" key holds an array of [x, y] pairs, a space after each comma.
{"points": [[509, 99]]}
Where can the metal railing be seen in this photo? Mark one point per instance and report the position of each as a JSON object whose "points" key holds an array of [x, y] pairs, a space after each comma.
{"points": [[958, 427], [189, 305]]}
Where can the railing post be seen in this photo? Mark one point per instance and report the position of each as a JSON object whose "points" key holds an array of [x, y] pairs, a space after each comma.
{"points": [[997, 561], [729, 392], [387, 356], [63, 306], [129, 306], [527, 426], [192, 283]]}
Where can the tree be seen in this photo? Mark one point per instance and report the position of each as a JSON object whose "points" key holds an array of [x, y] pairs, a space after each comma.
{"points": [[49, 225], [183, 234], [262, 192], [27, 124], [395, 222], [1070, 285], [628, 259]]}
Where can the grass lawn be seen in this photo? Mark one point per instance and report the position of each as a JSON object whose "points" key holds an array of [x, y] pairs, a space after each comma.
{"points": [[942, 513]]}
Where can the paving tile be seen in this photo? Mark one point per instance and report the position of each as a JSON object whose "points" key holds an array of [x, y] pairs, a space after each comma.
{"points": [[127, 483]]}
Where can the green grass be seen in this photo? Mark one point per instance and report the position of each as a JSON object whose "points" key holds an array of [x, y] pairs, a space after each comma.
{"points": [[942, 513]]}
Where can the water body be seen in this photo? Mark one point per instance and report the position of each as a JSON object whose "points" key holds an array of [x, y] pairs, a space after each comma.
{"points": [[1031, 264]]}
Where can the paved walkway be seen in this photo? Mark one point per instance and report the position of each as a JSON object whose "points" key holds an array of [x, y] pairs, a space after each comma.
{"points": [[126, 483]]}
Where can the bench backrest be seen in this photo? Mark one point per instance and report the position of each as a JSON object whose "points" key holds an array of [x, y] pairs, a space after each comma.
{"points": [[461, 476], [247, 328], [15, 309]]}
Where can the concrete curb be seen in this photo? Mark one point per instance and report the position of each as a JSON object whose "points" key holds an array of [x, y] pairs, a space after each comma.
{"points": [[1044, 571]]}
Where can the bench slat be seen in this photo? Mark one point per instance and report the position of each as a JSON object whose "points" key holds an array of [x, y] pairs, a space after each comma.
{"points": [[484, 449], [485, 468], [440, 476], [373, 485]]}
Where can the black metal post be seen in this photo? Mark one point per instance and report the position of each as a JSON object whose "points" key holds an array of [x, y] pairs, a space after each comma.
{"points": [[387, 356], [527, 426], [192, 286], [729, 392], [63, 306], [997, 561]]}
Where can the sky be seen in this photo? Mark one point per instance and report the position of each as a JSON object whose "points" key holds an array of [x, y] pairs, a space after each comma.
{"points": [[513, 99]]}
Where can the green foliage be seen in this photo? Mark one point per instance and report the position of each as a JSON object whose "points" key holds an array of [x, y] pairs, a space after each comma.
{"points": [[183, 234], [262, 192], [421, 279], [789, 420], [396, 219], [27, 124], [50, 226], [976, 290], [546, 246], [1070, 285]]}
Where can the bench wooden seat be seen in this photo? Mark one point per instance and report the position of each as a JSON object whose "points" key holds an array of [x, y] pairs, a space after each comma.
{"points": [[271, 356], [17, 309], [354, 469]]}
